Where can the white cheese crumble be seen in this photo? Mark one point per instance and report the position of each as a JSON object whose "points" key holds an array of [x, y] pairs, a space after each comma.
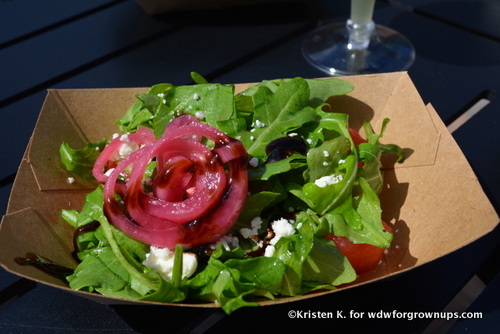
{"points": [[125, 150], [341, 161], [254, 162], [71, 179], [255, 225], [161, 95], [281, 228], [328, 180], [326, 154], [199, 114], [124, 138], [309, 141], [229, 242], [196, 96], [259, 124], [325, 163], [269, 252], [161, 260]]}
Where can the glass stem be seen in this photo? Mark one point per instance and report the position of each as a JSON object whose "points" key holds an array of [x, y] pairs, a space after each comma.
{"points": [[360, 26]]}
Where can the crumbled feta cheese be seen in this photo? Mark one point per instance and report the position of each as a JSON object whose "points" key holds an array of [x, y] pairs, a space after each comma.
{"points": [[125, 150], [252, 138], [309, 141], [325, 163], [196, 96], [199, 114], [255, 225], [254, 162], [164, 101], [115, 135], [293, 134], [326, 154], [269, 252], [328, 180], [97, 148], [259, 124], [71, 179], [161, 95], [281, 228], [229, 242], [246, 232], [124, 138], [341, 161], [162, 261], [238, 137]]}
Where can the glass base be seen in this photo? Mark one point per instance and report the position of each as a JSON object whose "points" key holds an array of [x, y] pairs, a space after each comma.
{"points": [[327, 48]]}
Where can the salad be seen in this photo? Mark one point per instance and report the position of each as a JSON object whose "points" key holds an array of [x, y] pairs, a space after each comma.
{"points": [[210, 196]]}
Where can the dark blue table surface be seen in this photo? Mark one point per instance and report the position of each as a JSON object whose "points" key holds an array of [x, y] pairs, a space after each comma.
{"points": [[114, 43]]}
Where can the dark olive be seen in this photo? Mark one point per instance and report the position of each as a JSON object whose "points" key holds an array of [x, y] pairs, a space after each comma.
{"points": [[282, 148]]}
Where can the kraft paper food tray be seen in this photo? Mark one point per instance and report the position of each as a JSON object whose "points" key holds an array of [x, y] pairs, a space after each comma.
{"points": [[425, 226]]}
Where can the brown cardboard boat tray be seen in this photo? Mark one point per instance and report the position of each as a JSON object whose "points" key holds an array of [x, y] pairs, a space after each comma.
{"points": [[423, 198]]}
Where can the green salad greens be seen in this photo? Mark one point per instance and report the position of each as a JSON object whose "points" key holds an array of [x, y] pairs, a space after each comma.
{"points": [[304, 171]]}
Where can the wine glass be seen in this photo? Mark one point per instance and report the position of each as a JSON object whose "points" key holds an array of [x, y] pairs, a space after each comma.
{"points": [[358, 46]]}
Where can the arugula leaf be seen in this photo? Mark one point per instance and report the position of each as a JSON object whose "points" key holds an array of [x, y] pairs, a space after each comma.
{"points": [[371, 171], [198, 79], [293, 251], [81, 161], [367, 207], [322, 89], [141, 113], [280, 112], [373, 138], [324, 160], [236, 281], [214, 101], [326, 264], [266, 171], [112, 261]]}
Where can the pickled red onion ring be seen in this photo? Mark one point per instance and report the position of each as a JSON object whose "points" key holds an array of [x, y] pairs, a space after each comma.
{"points": [[195, 196], [142, 136]]}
